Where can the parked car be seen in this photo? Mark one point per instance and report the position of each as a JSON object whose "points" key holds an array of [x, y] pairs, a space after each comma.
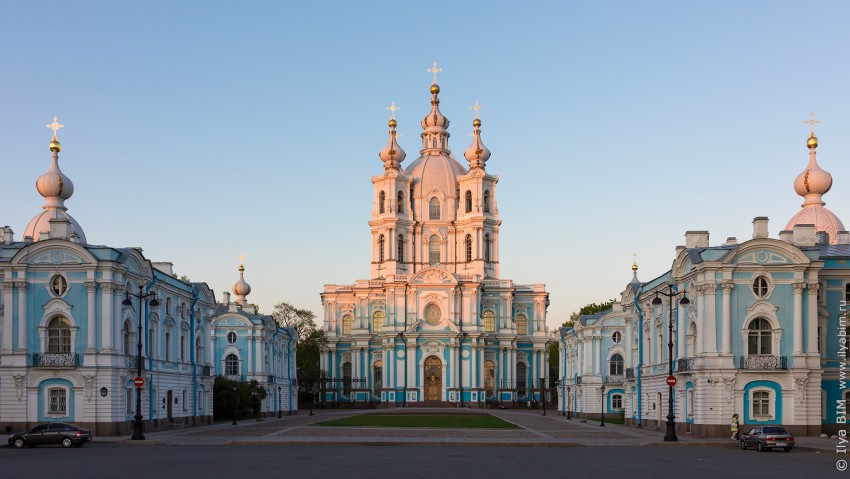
{"points": [[51, 433], [768, 437]]}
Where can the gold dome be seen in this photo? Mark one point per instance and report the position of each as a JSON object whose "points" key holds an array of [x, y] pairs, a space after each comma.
{"points": [[393, 123], [435, 89], [476, 122], [55, 146], [812, 142]]}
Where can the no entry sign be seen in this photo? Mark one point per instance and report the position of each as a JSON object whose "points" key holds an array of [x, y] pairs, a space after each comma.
{"points": [[140, 381], [671, 381]]}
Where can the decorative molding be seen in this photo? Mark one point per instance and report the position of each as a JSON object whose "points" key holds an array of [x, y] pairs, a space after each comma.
{"points": [[89, 386], [727, 286], [433, 347], [346, 307], [801, 382], [107, 287], [91, 286], [728, 383], [345, 358], [56, 256], [7, 287], [521, 357], [762, 257], [19, 386], [799, 287]]}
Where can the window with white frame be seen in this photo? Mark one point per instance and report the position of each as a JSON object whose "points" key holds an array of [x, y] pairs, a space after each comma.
{"points": [[168, 306], [760, 337], [57, 401], [615, 365], [128, 338], [617, 337], [489, 319], [521, 322], [231, 337], [761, 404], [486, 201], [347, 322], [617, 401], [434, 251], [59, 335], [690, 403], [378, 321], [183, 347], [199, 351], [434, 209], [58, 285], [168, 344], [760, 287], [231, 365], [487, 247]]}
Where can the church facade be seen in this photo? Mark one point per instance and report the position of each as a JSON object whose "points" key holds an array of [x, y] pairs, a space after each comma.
{"points": [[761, 333], [435, 322], [72, 317]]}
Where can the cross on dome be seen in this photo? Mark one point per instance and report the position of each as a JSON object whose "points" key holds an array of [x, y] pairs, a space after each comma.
{"points": [[55, 126], [392, 108], [435, 70], [812, 122], [476, 107]]}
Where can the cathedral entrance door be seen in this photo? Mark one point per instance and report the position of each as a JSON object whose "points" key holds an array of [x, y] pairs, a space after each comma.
{"points": [[433, 379]]}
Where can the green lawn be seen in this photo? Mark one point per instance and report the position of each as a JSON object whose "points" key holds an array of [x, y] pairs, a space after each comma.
{"points": [[459, 421]]}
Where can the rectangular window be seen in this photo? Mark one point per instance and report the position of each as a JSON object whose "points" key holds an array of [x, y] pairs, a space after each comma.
{"points": [[200, 401], [168, 346], [185, 408], [761, 404], [57, 403], [130, 402]]}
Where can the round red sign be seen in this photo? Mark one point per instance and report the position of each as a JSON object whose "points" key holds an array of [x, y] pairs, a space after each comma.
{"points": [[671, 381], [140, 381]]}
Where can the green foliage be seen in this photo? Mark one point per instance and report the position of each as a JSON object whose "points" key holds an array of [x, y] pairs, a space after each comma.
{"points": [[553, 359], [303, 320], [237, 397], [591, 308]]}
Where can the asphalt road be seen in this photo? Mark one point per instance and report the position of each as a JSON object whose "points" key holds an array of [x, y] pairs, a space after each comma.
{"points": [[96, 460]]}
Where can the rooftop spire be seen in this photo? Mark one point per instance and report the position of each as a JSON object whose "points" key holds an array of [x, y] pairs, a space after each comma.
{"points": [[477, 154], [392, 155], [241, 288], [814, 182], [435, 137]]}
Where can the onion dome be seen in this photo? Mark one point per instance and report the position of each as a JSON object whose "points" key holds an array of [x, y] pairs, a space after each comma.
{"points": [[435, 118], [55, 187], [477, 154], [241, 288], [392, 155], [635, 283], [812, 184]]}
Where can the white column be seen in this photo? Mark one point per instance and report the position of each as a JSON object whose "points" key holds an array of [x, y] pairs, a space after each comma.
{"points": [[726, 332], [627, 343], [249, 365], [798, 318], [812, 320], [411, 366], [385, 371], [261, 356], [7, 317], [22, 316], [106, 313], [91, 337], [711, 319], [700, 342]]}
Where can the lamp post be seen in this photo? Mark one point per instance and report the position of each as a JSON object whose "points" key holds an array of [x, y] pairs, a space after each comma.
{"points": [[670, 435], [404, 394], [463, 337], [278, 402], [138, 426], [569, 400], [602, 393], [235, 408]]}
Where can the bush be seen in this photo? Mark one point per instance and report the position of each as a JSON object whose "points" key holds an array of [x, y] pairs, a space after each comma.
{"points": [[237, 397]]}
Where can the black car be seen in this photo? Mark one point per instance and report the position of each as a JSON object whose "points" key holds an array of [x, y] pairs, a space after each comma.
{"points": [[768, 437], [52, 433]]}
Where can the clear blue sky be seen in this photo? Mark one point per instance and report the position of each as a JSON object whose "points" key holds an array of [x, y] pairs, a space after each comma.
{"points": [[204, 130]]}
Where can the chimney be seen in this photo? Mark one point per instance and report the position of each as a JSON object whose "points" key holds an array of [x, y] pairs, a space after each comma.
{"points": [[696, 239], [843, 237], [804, 235], [731, 240], [760, 227], [821, 237], [225, 298], [787, 236], [7, 236], [60, 228]]}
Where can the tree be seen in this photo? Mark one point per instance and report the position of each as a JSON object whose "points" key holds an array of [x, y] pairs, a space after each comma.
{"points": [[307, 354], [303, 320], [237, 398], [591, 308]]}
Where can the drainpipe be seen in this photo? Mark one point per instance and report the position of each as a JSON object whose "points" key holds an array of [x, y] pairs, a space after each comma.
{"points": [[148, 352], [639, 361], [192, 351]]}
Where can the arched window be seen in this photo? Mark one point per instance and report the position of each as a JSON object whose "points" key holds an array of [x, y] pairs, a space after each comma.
{"points": [[128, 338], [346, 378], [182, 347], [615, 365], [399, 202], [347, 321], [382, 198], [378, 321], [486, 201], [468, 248], [521, 322], [400, 245], [199, 351], [521, 378], [434, 209], [378, 377], [468, 201], [381, 248], [434, 251], [487, 248], [760, 287], [489, 320], [59, 335], [760, 337], [231, 365]]}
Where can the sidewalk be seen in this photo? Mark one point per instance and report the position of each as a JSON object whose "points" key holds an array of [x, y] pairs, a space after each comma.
{"points": [[535, 430]]}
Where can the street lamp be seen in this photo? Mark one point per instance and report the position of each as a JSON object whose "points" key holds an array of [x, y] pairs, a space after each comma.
{"points": [[404, 394], [235, 408], [569, 400], [463, 337], [278, 402], [138, 426], [670, 435], [602, 393]]}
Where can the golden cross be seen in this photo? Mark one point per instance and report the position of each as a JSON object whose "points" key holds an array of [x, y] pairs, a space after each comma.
{"points": [[634, 263], [435, 70], [392, 108], [241, 258], [476, 107], [55, 127], [812, 122]]}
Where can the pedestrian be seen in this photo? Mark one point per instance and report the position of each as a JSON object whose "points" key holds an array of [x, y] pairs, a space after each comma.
{"points": [[734, 426]]}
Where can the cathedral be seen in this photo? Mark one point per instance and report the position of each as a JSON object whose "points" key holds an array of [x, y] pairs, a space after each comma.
{"points": [[79, 322], [435, 322], [756, 329]]}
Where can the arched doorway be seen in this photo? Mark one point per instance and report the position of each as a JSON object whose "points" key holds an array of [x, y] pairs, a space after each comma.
{"points": [[433, 379], [489, 378]]}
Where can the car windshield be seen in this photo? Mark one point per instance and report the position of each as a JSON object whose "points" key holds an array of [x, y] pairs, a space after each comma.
{"points": [[775, 430]]}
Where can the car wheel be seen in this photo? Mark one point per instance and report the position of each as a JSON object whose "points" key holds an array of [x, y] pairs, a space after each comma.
{"points": [[743, 444], [67, 442], [788, 449], [760, 447], [18, 443]]}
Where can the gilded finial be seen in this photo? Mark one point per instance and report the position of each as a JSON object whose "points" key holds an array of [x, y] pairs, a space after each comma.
{"points": [[812, 142], [241, 267], [435, 70], [55, 126], [476, 107], [393, 108], [634, 262]]}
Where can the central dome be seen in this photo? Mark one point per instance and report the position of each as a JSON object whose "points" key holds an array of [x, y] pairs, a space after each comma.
{"points": [[435, 172]]}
